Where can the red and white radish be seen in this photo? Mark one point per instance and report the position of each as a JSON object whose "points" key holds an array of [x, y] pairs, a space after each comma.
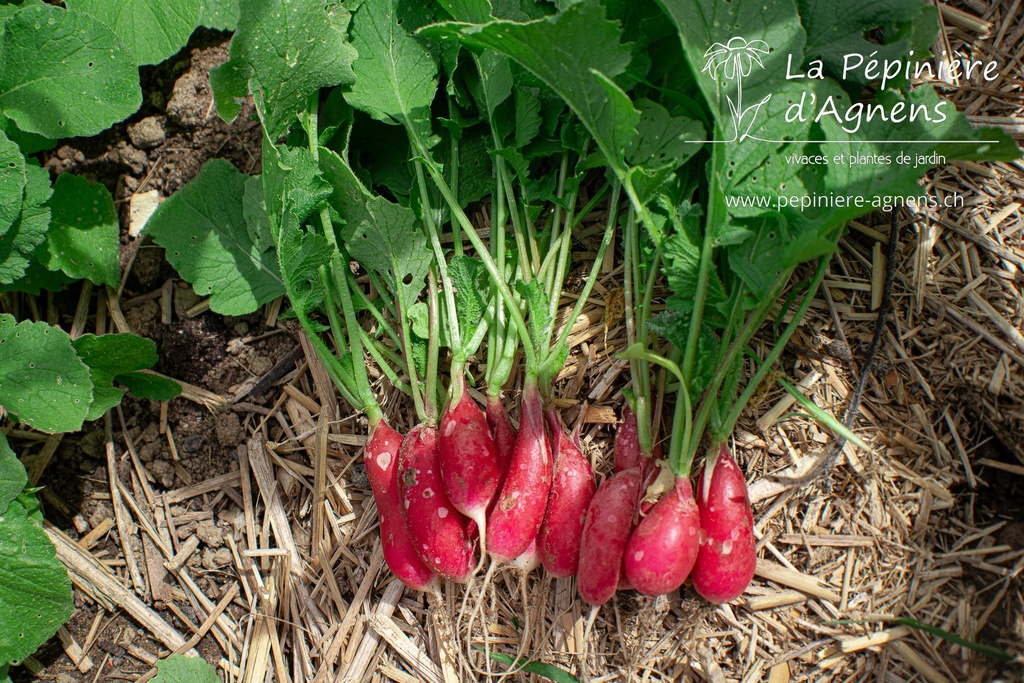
{"points": [[381, 460], [728, 554], [663, 548], [437, 530], [469, 457], [605, 535], [572, 488], [517, 517], [627, 442]]}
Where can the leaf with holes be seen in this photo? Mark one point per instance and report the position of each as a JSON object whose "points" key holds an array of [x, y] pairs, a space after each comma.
{"points": [[29, 229], [153, 29], [108, 356], [84, 239], [182, 669], [220, 15], [203, 228], [87, 81], [43, 382]]}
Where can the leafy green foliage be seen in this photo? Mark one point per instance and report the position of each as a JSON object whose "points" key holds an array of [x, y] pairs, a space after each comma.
{"points": [[203, 229], [152, 29], [182, 669], [12, 182], [87, 81], [221, 15], [396, 76], [149, 385], [43, 382], [583, 80], [35, 592], [83, 240], [283, 52], [29, 229], [108, 356]]}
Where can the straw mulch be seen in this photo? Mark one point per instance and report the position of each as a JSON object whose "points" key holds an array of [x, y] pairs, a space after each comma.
{"points": [[929, 524]]}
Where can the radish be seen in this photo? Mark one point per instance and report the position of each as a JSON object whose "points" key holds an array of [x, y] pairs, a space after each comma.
{"points": [[504, 434], [517, 517], [469, 461], [663, 547], [437, 530], [572, 488], [605, 535], [728, 554], [627, 442], [381, 459]]}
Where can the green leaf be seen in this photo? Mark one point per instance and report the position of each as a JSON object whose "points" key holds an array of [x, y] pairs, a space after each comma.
{"points": [[220, 15], [576, 53], [182, 669], [469, 278], [13, 478], [152, 29], [35, 591], [108, 356], [149, 385], [539, 307], [12, 182], [663, 140], [254, 209], [37, 278], [202, 226], [391, 243], [832, 36], [396, 76], [87, 81], [43, 382], [548, 671], [84, 239], [29, 230], [287, 51]]}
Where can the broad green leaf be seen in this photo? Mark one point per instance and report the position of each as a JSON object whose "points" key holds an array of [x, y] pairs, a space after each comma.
{"points": [[37, 278], [230, 85], [13, 479], [35, 591], [254, 208], [391, 243], [301, 253], [396, 76], [29, 229], [182, 669], [575, 53], [149, 385], [43, 382], [540, 321], [86, 82], [203, 229], [12, 182], [288, 51], [349, 196], [110, 355], [221, 15], [84, 239], [840, 39], [152, 29], [663, 140]]}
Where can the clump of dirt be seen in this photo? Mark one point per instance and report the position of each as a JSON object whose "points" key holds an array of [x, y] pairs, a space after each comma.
{"points": [[190, 348]]}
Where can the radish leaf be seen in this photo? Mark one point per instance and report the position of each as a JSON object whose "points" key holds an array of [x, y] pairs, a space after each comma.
{"points": [[82, 55], [29, 230], [108, 356], [203, 229], [84, 239], [153, 29], [43, 382]]}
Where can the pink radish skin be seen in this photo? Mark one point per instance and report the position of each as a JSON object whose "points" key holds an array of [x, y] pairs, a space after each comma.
{"points": [[469, 457], [503, 431], [663, 547], [627, 442], [381, 459], [572, 488], [437, 530], [728, 554], [605, 535], [529, 560], [517, 517]]}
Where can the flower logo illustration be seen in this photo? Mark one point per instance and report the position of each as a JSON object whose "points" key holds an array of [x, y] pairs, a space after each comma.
{"points": [[733, 61]]}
